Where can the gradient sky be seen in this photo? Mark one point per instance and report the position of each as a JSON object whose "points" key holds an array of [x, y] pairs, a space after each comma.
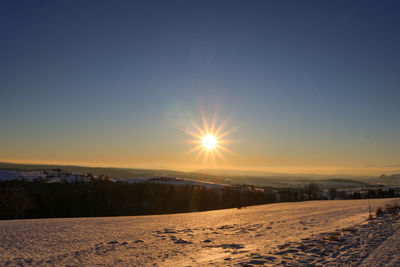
{"points": [[313, 86]]}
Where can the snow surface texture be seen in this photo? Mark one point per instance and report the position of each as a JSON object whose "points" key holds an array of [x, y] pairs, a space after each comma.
{"points": [[326, 233]]}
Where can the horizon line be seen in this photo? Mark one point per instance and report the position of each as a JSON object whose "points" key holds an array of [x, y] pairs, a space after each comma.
{"points": [[263, 171]]}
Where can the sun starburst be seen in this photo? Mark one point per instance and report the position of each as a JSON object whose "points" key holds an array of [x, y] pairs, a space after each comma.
{"points": [[209, 139]]}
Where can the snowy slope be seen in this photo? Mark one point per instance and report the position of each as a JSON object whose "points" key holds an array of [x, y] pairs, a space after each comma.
{"points": [[64, 176], [267, 234], [49, 176], [388, 252], [172, 181]]}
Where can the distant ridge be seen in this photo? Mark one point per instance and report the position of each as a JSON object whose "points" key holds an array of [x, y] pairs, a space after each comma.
{"points": [[222, 176], [393, 179]]}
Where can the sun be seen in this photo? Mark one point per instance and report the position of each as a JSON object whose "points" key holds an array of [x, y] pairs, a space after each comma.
{"points": [[209, 139], [209, 142]]}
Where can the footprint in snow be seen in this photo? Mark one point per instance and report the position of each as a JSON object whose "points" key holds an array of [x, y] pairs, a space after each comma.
{"points": [[224, 227], [283, 246], [181, 241], [232, 246], [256, 262]]}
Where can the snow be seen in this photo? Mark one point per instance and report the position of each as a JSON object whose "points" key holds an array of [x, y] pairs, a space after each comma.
{"points": [[62, 176], [9, 175], [49, 176], [388, 252], [172, 181], [314, 232]]}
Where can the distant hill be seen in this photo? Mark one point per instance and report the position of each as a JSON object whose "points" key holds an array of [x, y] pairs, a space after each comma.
{"points": [[109, 171], [341, 183], [393, 179], [223, 176]]}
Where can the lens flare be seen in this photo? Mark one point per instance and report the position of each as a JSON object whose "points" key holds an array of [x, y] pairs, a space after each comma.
{"points": [[209, 139]]}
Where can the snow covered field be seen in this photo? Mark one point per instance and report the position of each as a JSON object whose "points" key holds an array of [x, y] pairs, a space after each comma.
{"points": [[49, 176], [60, 176], [314, 232]]}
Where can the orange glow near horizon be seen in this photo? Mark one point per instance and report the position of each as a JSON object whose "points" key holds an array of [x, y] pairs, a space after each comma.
{"points": [[323, 170]]}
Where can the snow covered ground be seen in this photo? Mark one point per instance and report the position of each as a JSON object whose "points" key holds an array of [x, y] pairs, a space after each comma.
{"points": [[323, 233], [49, 176], [52, 176], [170, 180]]}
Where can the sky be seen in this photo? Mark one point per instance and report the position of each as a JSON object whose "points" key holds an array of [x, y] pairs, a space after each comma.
{"points": [[298, 86]]}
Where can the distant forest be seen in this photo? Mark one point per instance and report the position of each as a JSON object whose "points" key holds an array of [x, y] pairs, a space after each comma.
{"points": [[101, 197]]}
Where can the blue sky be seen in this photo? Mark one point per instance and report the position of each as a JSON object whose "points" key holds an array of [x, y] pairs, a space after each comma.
{"points": [[313, 85]]}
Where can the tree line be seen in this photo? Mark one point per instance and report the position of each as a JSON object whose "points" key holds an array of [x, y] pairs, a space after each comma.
{"points": [[103, 197]]}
